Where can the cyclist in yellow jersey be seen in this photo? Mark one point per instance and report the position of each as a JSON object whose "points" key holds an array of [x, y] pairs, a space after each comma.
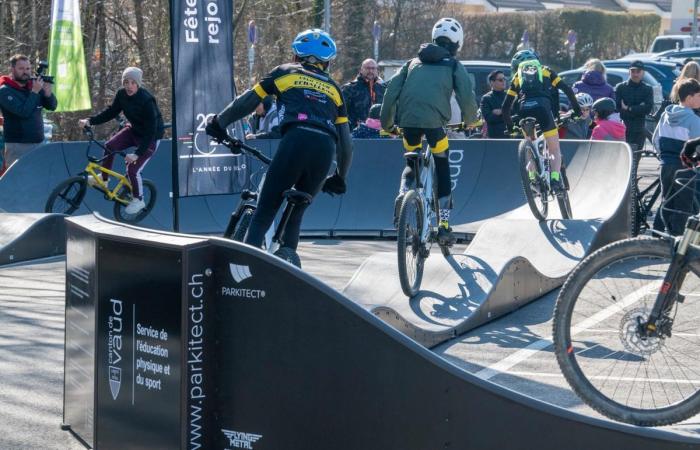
{"points": [[313, 122], [532, 83]]}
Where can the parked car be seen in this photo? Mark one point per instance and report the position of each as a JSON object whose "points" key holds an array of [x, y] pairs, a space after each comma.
{"points": [[665, 72], [671, 42], [479, 73], [614, 76], [680, 55]]}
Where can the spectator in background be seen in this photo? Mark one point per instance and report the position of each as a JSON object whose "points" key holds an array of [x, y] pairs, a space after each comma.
{"points": [[690, 70], [372, 127], [594, 82], [678, 124], [366, 90], [608, 125], [634, 99], [21, 102], [491, 105], [264, 122]]}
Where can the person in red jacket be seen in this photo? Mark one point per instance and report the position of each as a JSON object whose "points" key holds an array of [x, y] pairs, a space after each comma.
{"points": [[608, 127]]}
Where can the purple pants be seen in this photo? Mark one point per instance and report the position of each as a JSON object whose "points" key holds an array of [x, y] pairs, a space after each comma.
{"points": [[121, 141]]}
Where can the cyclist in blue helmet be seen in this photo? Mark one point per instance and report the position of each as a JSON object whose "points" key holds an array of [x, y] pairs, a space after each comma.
{"points": [[314, 128]]}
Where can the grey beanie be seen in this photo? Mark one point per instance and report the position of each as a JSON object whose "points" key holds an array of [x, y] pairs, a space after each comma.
{"points": [[133, 73]]}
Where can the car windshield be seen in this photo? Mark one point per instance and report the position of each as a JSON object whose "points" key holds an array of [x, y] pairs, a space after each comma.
{"points": [[662, 45]]}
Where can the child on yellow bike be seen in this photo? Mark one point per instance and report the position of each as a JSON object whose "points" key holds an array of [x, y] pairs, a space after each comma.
{"points": [[144, 129]]}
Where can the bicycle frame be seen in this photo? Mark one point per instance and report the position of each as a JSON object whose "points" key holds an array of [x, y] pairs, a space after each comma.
{"points": [[94, 169], [424, 172], [529, 129]]}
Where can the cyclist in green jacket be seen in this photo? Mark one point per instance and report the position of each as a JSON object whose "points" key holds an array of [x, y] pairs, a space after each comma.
{"points": [[422, 90]]}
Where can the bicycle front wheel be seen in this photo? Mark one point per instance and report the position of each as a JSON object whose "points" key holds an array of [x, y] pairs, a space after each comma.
{"points": [[149, 198], [620, 373], [535, 192], [411, 248], [67, 196], [563, 198]]}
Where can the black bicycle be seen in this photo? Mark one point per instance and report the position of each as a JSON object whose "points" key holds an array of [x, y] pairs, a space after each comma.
{"points": [[241, 217], [644, 199], [627, 328]]}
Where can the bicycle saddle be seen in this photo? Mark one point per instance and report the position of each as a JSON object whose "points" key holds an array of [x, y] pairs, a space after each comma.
{"points": [[297, 197], [94, 159]]}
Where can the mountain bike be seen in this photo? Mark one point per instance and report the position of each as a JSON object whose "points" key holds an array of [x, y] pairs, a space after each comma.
{"points": [[68, 195], [241, 217], [418, 221], [533, 150], [627, 328]]}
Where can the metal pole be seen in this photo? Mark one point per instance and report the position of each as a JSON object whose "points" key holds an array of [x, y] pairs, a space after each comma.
{"points": [[327, 15], [695, 23]]}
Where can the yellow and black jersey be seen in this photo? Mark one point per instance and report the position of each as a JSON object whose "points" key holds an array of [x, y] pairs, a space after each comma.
{"points": [[305, 95], [548, 80]]}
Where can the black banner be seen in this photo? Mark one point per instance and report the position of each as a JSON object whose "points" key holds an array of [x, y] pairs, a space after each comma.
{"points": [[202, 39]]}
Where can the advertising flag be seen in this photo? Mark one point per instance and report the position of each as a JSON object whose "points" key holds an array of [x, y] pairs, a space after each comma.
{"points": [[66, 57], [202, 43]]}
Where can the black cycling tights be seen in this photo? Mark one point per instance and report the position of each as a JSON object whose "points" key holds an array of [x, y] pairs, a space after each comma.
{"points": [[302, 161]]}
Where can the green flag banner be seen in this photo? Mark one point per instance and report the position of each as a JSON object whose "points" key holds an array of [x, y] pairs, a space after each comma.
{"points": [[66, 57]]}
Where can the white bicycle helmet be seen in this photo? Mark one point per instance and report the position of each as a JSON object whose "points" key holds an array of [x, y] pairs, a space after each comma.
{"points": [[584, 100], [449, 28]]}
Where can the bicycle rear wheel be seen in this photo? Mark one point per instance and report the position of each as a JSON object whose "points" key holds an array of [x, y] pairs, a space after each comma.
{"points": [[67, 196], [411, 250], [645, 381], [563, 198], [535, 193], [149, 198]]}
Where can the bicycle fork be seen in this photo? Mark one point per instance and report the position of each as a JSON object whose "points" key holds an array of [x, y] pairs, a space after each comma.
{"points": [[669, 293]]}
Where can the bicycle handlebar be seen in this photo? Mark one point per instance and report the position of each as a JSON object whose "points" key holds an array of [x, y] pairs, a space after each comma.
{"points": [[88, 131], [237, 146]]}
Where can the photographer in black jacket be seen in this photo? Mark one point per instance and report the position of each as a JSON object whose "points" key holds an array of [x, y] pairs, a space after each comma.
{"points": [[22, 99], [635, 100]]}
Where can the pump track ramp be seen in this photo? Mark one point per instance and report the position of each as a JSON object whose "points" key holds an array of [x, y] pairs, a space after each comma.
{"points": [[484, 173], [24, 237], [513, 259], [323, 372]]}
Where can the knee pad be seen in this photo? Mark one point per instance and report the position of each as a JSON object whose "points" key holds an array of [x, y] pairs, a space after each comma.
{"points": [[442, 172]]}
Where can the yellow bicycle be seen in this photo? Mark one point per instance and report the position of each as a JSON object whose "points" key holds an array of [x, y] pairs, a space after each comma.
{"points": [[67, 197]]}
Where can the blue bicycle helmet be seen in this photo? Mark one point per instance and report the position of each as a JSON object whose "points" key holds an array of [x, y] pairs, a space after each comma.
{"points": [[316, 43], [522, 56]]}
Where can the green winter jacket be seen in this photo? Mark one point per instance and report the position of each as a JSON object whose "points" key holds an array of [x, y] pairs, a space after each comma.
{"points": [[422, 90]]}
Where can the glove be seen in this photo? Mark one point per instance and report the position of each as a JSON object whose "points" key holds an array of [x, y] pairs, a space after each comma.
{"points": [[689, 155], [394, 131], [335, 185], [215, 130]]}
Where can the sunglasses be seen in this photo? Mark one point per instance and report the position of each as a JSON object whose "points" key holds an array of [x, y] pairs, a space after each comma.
{"points": [[499, 79]]}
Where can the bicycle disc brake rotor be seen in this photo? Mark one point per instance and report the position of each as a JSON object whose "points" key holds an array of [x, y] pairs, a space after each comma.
{"points": [[631, 338]]}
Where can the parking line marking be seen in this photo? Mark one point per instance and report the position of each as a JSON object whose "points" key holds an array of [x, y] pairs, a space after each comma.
{"points": [[521, 355]]}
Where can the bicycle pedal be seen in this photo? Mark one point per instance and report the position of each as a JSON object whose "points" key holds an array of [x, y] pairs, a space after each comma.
{"points": [[680, 298]]}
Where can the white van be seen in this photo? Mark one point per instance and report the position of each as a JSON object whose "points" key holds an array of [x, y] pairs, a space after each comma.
{"points": [[671, 42]]}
